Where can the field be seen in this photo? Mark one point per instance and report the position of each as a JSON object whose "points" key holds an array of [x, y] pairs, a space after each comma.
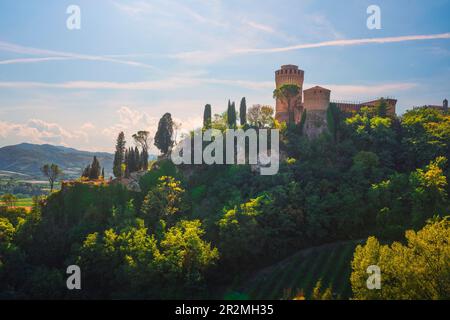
{"points": [[22, 203], [300, 272]]}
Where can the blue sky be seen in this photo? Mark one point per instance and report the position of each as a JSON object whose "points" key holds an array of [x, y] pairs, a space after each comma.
{"points": [[134, 60]]}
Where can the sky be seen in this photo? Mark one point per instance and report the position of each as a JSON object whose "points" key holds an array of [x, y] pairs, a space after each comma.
{"points": [[131, 61]]}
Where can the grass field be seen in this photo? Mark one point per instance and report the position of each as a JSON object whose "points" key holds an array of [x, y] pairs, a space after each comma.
{"points": [[23, 203], [300, 272]]}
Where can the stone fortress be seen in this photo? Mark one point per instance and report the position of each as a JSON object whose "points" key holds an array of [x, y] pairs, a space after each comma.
{"points": [[316, 100]]}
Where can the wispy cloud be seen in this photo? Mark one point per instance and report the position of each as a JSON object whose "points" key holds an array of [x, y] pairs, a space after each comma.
{"points": [[339, 91], [349, 42], [260, 26], [164, 84], [59, 55], [368, 92], [32, 60]]}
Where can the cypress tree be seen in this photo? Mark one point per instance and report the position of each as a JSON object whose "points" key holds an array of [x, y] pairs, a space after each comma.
{"points": [[163, 137], [137, 159], [243, 112], [144, 160], [207, 117], [119, 155], [94, 173], [231, 115]]}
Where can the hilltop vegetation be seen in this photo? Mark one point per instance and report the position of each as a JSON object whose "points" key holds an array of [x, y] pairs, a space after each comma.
{"points": [[191, 232]]}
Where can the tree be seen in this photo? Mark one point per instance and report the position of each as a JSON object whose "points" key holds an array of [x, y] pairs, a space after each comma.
{"points": [[207, 117], [415, 271], [231, 115], [165, 201], [260, 116], [186, 257], [163, 137], [382, 108], [93, 170], [9, 199], [319, 294], [94, 173], [287, 93], [103, 173], [119, 155], [334, 120], [143, 140], [52, 172], [243, 112]]}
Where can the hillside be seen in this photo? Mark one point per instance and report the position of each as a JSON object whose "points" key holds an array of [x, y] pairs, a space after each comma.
{"points": [[301, 271], [28, 158]]}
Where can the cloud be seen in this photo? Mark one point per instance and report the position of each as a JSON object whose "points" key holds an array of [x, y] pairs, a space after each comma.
{"points": [[32, 60], [60, 55], [135, 9], [131, 120], [260, 26], [39, 131], [164, 84], [205, 56], [166, 9], [366, 92], [349, 42]]}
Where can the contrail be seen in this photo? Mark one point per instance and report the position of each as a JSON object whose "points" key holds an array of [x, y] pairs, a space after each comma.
{"points": [[342, 43]]}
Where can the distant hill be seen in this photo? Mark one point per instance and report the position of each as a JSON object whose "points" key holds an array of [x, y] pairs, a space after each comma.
{"points": [[27, 159]]}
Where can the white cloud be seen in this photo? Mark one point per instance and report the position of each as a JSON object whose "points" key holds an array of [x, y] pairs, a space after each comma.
{"points": [[131, 120], [260, 26], [59, 55], [164, 84], [39, 131], [366, 92], [32, 60], [349, 42]]}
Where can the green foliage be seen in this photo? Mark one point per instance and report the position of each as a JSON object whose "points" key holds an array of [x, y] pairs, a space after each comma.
{"points": [[186, 257], [164, 241], [261, 116], [163, 137], [207, 117], [417, 270], [9, 199], [92, 171], [165, 201], [426, 135], [286, 93], [243, 112], [408, 200], [231, 115], [321, 294], [334, 121], [119, 155], [52, 172], [158, 170]]}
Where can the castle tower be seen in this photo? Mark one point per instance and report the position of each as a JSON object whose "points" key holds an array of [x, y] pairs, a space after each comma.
{"points": [[445, 105], [289, 74], [316, 98]]}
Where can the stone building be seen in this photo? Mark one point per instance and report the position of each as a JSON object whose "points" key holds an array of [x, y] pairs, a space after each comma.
{"points": [[315, 101]]}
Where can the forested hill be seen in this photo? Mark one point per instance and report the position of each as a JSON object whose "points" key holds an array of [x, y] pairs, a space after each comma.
{"points": [[26, 158]]}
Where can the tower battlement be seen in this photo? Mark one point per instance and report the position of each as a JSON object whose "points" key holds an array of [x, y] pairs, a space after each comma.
{"points": [[289, 74]]}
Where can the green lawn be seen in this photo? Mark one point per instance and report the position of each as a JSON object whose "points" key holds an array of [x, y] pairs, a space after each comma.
{"points": [[330, 263]]}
